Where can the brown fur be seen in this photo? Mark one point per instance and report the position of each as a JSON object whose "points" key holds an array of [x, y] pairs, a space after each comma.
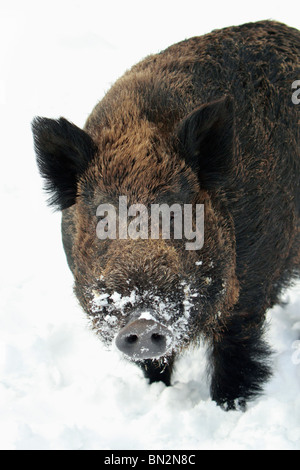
{"points": [[145, 136]]}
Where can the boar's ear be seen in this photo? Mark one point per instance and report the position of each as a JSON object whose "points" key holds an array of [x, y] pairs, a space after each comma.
{"points": [[63, 153], [206, 137]]}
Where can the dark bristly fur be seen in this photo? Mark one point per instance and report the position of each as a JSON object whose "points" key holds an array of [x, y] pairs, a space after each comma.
{"points": [[242, 349], [63, 154], [208, 121]]}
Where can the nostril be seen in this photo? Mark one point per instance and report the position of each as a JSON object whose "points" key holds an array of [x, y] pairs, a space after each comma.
{"points": [[131, 339], [157, 338]]}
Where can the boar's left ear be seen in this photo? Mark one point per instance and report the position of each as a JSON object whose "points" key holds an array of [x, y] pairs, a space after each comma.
{"points": [[63, 153], [206, 137]]}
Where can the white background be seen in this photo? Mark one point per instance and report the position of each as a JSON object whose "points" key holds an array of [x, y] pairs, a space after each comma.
{"points": [[58, 388]]}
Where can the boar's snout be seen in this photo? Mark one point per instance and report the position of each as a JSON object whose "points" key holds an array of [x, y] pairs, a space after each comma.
{"points": [[144, 339]]}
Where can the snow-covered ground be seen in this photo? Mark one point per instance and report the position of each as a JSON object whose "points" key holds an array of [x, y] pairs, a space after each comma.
{"points": [[59, 389]]}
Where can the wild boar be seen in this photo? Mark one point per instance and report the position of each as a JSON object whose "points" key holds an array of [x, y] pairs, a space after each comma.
{"points": [[209, 122]]}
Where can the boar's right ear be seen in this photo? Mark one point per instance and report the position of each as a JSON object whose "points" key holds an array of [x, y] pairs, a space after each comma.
{"points": [[206, 137], [63, 153]]}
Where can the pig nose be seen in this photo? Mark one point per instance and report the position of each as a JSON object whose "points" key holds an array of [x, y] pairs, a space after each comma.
{"points": [[144, 339]]}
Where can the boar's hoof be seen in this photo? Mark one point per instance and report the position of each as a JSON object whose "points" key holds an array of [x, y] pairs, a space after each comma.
{"points": [[144, 339]]}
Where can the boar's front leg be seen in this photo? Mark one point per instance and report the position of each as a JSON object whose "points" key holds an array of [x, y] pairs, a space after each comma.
{"points": [[157, 370], [239, 360]]}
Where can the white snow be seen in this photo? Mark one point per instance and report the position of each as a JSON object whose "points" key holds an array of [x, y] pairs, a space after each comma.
{"points": [[146, 316], [59, 387]]}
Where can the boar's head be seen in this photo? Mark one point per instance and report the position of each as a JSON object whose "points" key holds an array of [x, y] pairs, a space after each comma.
{"points": [[150, 294]]}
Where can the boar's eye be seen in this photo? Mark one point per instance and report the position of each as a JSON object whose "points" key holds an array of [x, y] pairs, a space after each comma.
{"points": [[63, 153], [206, 137]]}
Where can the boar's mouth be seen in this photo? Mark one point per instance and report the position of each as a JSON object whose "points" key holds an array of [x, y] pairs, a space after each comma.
{"points": [[142, 324]]}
